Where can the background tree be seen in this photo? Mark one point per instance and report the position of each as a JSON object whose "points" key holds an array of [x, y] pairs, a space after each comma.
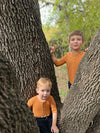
{"points": [[23, 43]]}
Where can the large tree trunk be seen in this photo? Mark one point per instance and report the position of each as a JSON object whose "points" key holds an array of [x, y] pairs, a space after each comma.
{"points": [[15, 116], [82, 105], [24, 45]]}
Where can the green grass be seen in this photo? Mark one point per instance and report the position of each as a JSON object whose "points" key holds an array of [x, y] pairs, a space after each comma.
{"points": [[62, 80], [63, 93]]}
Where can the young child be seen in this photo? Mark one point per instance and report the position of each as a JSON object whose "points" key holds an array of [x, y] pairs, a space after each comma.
{"points": [[42, 105], [72, 59]]}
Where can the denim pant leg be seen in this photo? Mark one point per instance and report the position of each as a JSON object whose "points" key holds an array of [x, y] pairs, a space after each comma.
{"points": [[50, 123], [44, 125], [69, 84]]}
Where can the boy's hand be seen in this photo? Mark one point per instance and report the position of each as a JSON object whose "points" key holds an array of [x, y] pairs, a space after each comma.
{"points": [[54, 129], [53, 50], [86, 49]]}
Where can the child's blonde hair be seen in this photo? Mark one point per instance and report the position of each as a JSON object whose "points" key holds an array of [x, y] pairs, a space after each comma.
{"points": [[76, 32], [44, 81]]}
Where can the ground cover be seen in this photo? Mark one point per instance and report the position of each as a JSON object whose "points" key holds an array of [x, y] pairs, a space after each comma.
{"points": [[62, 80]]}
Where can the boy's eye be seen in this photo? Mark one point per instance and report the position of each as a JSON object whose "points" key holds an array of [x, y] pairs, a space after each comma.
{"points": [[78, 39], [72, 39]]}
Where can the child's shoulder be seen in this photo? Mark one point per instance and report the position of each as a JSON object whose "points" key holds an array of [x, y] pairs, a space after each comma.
{"points": [[68, 54], [51, 97], [83, 53], [33, 98]]}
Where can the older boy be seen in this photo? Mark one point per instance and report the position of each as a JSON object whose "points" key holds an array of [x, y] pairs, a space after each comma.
{"points": [[72, 59]]}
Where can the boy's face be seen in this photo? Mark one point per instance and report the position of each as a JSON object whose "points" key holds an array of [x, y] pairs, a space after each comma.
{"points": [[76, 42], [43, 92]]}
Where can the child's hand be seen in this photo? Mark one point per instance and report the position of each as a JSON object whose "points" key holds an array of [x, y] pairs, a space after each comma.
{"points": [[53, 50], [86, 49], [54, 129]]}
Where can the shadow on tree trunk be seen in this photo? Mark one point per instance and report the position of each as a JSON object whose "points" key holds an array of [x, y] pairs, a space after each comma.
{"points": [[15, 116]]}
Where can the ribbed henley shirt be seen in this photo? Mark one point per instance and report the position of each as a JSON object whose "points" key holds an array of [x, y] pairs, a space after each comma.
{"points": [[72, 61]]}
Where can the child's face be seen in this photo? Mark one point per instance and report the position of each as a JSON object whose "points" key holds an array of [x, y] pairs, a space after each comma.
{"points": [[43, 92], [76, 42]]}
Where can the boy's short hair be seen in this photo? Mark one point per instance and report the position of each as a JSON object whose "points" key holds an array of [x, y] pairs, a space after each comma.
{"points": [[44, 81], [76, 32]]}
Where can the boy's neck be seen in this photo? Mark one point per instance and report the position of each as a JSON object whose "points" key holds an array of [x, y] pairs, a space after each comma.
{"points": [[77, 51], [41, 99]]}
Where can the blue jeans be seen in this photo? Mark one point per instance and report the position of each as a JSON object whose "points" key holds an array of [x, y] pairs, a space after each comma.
{"points": [[69, 84], [44, 124]]}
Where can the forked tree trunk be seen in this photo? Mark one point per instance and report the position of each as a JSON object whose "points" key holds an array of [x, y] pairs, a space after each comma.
{"points": [[82, 105], [24, 45]]}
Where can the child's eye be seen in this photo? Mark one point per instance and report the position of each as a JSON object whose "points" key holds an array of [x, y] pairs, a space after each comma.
{"points": [[78, 39], [72, 39]]}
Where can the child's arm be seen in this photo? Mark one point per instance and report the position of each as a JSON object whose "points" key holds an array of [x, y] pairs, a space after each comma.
{"points": [[29, 103], [55, 60], [54, 128], [52, 53]]}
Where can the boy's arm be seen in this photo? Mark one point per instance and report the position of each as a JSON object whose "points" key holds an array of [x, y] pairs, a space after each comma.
{"points": [[53, 53], [53, 57], [54, 128], [29, 103], [55, 60]]}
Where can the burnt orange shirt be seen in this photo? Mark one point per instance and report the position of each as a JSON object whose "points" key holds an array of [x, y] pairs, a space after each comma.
{"points": [[42, 109], [72, 61]]}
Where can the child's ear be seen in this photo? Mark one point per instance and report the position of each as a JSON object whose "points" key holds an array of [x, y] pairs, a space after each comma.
{"points": [[82, 42], [37, 90], [69, 43]]}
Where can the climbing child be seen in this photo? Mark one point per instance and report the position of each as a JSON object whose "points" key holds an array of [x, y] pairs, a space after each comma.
{"points": [[42, 105], [73, 58]]}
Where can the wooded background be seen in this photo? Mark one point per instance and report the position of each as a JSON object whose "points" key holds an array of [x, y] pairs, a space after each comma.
{"points": [[25, 57], [65, 16]]}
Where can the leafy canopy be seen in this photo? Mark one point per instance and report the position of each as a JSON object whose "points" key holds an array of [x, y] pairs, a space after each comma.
{"points": [[72, 15]]}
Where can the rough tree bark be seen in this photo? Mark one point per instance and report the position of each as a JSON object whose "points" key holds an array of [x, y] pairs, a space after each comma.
{"points": [[15, 116], [24, 45], [82, 105]]}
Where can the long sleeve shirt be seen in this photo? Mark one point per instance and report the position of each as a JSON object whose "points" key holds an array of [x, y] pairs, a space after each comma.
{"points": [[72, 61], [42, 109]]}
